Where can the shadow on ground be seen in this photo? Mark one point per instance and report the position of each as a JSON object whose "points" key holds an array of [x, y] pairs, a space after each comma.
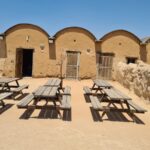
{"points": [[19, 97], [115, 116], [47, 113], [5, 108]]}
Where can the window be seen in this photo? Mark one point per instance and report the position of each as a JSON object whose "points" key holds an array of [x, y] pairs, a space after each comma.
{"points": [[131, 60]]}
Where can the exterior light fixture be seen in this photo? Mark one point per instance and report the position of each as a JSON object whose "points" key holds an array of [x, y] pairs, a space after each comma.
{"points": [[27, 38], [42, 46]]}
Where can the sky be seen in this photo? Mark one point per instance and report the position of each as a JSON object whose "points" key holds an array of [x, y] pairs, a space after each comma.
{"points": [[98, 16]]}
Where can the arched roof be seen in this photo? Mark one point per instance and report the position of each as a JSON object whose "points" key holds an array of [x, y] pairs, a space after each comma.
{"points": [[123, 31], [25, 25], [74, 27]]}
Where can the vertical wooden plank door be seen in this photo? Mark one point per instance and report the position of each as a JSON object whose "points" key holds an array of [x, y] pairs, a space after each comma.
{"points": [[104, 66], [19, 61], [72, 68]]}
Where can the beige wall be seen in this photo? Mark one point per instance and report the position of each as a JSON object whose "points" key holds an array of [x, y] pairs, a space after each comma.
{"points": [[78, 40], [46, 62], [17, 38]]}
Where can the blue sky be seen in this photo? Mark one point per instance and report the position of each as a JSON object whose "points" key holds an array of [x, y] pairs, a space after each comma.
{"points": [[98, 16]]}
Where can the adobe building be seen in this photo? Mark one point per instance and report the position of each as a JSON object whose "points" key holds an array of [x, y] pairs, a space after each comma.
{"points": [[74, 52]]}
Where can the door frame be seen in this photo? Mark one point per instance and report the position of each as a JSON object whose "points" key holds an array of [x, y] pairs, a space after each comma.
{"points": [[77, 65], [19, 61], [20, 50], [106, 70]]}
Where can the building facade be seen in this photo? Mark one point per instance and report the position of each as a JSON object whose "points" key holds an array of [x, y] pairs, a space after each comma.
{"points": [[73, 52]]}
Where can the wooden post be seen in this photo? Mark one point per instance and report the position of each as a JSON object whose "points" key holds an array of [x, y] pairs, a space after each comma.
{"points": [[61, 70]]}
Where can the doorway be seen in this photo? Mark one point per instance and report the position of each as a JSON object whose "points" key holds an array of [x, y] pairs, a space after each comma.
{"points": [[104, 65], [24, 60], [72, 68]]}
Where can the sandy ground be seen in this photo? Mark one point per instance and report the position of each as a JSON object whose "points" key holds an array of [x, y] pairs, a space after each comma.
{"points": [[42, 132]]}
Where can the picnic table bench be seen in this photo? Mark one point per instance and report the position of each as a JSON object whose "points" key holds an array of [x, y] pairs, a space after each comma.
{"points": [[25, 101], [66, 98], [87, 90], [4, 96]]}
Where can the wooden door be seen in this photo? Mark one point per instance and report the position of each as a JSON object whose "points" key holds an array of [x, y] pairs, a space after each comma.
{"points": [[72, 68], [104, 66], [19, 61]]}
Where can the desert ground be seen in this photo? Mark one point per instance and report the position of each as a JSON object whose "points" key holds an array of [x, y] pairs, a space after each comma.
{"points": [[42, 131]]}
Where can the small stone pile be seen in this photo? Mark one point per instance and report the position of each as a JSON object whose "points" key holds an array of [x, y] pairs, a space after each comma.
{"points": [[135, 77]]}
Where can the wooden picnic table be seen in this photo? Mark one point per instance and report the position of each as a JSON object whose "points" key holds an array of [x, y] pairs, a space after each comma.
{"points": [[12, 85], [98, 85], [113, 96], [101, 84], [53, 82], [8, 80], [5, 83], [48, 93]]}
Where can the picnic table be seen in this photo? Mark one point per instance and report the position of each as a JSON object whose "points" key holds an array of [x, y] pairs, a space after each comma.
{"points": [[114, 96], [11, 85], [47, 93], [98, 85], [105, 93], [5, 83]]}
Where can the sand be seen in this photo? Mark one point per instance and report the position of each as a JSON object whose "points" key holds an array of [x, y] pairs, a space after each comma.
{"points": [[41, 132]]}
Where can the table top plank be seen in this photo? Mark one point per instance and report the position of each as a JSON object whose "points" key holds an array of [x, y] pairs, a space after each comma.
{"points": [[58, 81], [8, 80], [121, 94], [49, 82], [5, 95], [46, 91], [39, 91], [102, 83], [115, 94], [110, 93], [53, 82], [53, 91]]}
